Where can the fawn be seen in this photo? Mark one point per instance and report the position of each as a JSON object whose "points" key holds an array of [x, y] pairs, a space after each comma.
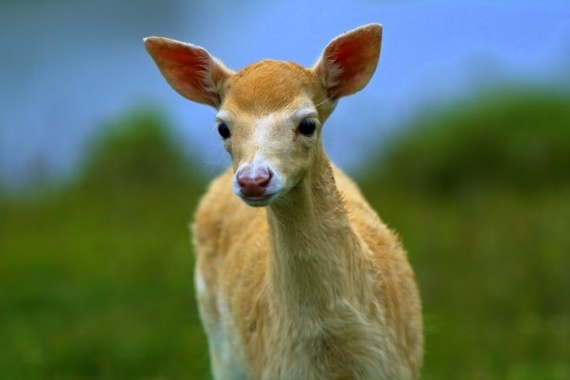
{"points": [[296, 276]]}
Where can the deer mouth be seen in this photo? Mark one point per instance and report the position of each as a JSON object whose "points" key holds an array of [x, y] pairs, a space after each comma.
{"points": [[258, 200]]}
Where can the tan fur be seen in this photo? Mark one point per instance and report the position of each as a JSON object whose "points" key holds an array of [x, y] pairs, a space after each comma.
{"points": [[314, 285]]}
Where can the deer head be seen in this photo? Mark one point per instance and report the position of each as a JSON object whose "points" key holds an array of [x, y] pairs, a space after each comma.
{"points": [[271, 113]]}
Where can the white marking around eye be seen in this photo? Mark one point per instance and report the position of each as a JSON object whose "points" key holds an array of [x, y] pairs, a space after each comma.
{"points": [[305, 112], [223, 117]]}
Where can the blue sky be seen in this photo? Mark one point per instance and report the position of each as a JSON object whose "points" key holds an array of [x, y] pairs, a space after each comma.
{"points": [[69, 66]]}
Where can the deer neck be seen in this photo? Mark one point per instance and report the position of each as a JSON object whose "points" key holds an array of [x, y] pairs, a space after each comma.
{"points": [[313, 259]]}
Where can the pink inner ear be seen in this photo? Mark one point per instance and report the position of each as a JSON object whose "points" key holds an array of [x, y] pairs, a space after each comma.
{"points": [[186, 68], [190, 59], [191, 72], [350, 60]]}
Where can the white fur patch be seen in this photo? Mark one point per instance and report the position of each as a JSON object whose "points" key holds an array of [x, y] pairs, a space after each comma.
{"points": [[264, 126], [225, 341], [201, 288]]}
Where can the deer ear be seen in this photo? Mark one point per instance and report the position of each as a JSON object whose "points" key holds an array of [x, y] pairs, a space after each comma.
{"points": [[189, 69], [349, 61]]}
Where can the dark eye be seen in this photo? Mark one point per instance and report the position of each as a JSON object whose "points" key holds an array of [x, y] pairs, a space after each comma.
{"points": [[307, 127], [224, 131]]}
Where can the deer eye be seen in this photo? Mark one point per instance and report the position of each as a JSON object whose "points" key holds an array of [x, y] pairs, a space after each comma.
{"points": [[224, 131], [307, 127]]}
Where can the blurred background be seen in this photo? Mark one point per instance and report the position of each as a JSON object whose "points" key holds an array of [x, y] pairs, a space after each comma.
{"points": [[461, 142]]}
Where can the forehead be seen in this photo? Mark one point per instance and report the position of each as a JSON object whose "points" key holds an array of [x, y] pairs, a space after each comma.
{"points": [[269, 86]]}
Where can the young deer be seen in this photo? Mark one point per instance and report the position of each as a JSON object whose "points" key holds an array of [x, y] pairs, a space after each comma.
{"points": [[307, 283]]}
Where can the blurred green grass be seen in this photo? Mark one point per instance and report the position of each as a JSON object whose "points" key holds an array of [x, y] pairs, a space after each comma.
{"points": [[96, 277], [479, 190], [492, 268], [96, 280], [515, 136]]}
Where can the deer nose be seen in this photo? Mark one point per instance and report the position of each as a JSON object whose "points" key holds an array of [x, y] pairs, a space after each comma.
{"points": [[253, 183]]}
